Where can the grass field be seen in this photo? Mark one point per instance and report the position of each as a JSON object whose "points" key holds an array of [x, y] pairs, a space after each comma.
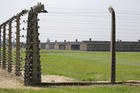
{"points": [[93, 89], [87, 66]]}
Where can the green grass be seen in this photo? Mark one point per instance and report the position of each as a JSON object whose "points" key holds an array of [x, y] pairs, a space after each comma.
{"points": [[90, 65], [99, 89], [86, 66]]}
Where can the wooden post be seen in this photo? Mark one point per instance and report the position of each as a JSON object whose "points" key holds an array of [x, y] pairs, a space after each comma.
{"points": [[0, 46], [32, 64], [112, 48], [18, 64], [36, 54], [4, 47], [18, 61], [10, 47]]}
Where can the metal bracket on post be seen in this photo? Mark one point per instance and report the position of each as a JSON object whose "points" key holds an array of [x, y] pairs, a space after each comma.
{"points": [[112, 48]]}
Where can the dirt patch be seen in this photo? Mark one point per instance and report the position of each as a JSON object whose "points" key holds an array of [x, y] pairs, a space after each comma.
{"points": [[9, 80], [56, 79]]}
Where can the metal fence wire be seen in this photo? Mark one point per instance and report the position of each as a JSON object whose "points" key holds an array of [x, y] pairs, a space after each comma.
{"points": [[71, 46]]}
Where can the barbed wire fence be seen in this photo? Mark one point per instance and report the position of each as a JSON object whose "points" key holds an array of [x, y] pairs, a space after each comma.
{"points": [[10, 51], [15, 37], [71, 24], [20, 42]]}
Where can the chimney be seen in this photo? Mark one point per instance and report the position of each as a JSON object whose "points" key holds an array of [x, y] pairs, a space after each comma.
{"points": [[90, 39], [55, 41], [76, 40], [64, 41]]}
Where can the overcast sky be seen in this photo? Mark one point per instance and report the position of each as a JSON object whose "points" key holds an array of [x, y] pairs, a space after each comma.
{"points": [[81, 19]]}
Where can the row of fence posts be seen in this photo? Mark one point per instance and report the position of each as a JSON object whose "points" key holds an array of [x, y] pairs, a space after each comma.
{"points": [[3, 58], [32, 68]]}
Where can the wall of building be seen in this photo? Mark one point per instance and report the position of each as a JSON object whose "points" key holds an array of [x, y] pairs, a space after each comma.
{"points": [[47, 46], [105, 46], [98, 47], [128, 46], [83, 46], [42, 45], [51, 46], [61, 46], [95, 46], [68, 46], [56, 46], [75, 47]]}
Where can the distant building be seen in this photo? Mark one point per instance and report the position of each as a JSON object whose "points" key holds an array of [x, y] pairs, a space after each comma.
{"points": [[50, 45], [95, 45], [60, 45], [92, 45], [105, 46], [128, 46], [42, 45], [73, 45]]}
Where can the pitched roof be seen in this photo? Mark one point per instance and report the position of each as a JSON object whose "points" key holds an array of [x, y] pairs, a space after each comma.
{"points": [[97, 42], [74, 43], [61, 43], [51, 43]]}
